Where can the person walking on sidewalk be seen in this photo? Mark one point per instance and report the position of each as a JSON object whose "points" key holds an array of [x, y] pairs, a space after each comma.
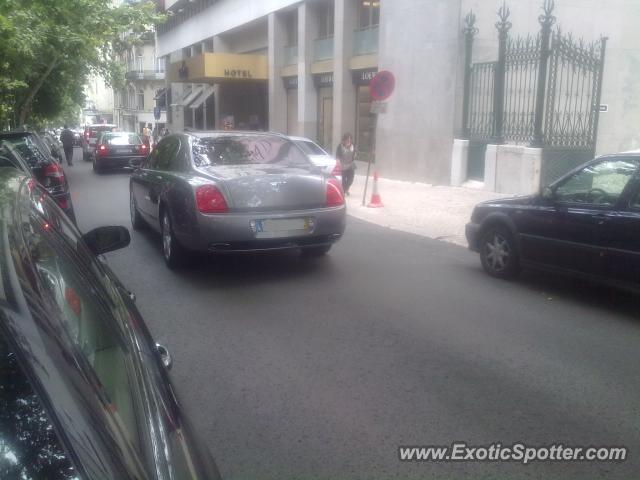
{"points": [[146, 135], [68, 139], [346, 154]]}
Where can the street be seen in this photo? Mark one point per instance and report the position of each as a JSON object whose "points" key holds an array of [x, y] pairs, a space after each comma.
{"points": [[322, 368]]}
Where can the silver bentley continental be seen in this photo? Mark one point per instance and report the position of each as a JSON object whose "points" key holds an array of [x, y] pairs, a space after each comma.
{"points": [[231, 192]]}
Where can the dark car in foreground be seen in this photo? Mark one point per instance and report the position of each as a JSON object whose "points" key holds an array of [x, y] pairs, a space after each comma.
{"points": [[84, 390], [230, 192], [118, 150], [586, 224], [44, 167]]}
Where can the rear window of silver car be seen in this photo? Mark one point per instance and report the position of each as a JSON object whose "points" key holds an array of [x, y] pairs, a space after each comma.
{"points": [[246, 150], [310, 148]]}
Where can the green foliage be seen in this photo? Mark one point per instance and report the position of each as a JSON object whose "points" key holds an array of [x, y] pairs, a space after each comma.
{"points": [[49, 47]]}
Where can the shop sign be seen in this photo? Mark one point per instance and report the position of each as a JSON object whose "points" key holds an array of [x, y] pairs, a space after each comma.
{"points": [[290, 83], [324, 80], [378, 107], [363, 77]]}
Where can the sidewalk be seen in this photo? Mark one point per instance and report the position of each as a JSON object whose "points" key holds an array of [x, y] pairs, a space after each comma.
{"points": [[439, 212]]}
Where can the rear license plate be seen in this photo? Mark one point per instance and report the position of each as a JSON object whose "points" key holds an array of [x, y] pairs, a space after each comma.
{"points": [[284, 225], [123, 150]]}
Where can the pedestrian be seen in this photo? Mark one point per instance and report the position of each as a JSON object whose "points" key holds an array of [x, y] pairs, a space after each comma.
{"points": [[346, 154], [68, 139], [146, 135]]}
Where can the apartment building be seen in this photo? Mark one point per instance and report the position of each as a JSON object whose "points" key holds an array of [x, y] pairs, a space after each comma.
{"points": [[144, 91]]}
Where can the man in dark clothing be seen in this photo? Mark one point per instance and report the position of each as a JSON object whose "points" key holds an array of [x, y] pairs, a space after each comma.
{"points": [[68, 139], [345, 154]]}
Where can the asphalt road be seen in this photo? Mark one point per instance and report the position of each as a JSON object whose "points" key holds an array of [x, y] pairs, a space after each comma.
{"points": [[297, 369]]}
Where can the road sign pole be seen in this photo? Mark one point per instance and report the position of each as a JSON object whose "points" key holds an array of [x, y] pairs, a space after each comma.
{"points": [[371, 157]]}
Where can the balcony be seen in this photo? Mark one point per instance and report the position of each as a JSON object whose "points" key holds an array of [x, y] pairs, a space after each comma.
{"points": [[365, 41], [290, 55], [323, 49], [144, 75]]}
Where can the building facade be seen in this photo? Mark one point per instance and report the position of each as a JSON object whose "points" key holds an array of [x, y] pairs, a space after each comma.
{"points": [[144, 91], [304, 67], [98, 106]]}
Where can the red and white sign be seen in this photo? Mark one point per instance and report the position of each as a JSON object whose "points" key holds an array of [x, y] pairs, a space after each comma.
{"points": [[382, 85]]}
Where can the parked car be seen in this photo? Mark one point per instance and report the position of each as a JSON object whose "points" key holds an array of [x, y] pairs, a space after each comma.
{"points": [[91, 133], [226, 192], [86, 392], [587, 224], [118, 150], [44, 167], [318, 156], [54, 145]]}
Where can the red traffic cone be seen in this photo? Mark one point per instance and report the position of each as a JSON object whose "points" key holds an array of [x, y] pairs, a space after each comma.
{"points": [[376, 201]]}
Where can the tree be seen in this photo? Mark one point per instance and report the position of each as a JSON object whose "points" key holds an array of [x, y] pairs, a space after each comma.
{"points": [[48, 48]]}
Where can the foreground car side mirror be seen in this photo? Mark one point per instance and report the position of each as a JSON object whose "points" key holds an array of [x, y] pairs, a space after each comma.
{"points": [[165, 356], [107, 239], [548, 193]]}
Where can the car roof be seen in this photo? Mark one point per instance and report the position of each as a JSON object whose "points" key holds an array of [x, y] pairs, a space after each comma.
{"points": [[232, 133], [301, 139]]}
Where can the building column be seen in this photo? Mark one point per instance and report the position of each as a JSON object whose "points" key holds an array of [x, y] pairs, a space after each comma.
{"points": [[307, 94], [175, 97], [219, 45], [277, 95], [344, 90]]}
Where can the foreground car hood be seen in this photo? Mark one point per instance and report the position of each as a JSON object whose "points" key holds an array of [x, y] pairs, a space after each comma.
{"points": [[269, 187]]}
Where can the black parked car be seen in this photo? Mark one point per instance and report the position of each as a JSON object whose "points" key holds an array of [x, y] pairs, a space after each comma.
{"points": [[587, 223], [44, 167], [118, 150], [84, 390]]}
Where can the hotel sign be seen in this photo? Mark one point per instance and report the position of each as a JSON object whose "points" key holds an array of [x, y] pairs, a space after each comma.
{"points": [[212, 67], [324, 80]]}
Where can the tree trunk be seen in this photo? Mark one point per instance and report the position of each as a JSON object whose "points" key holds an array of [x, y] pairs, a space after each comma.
{"points": [[26, 106]]}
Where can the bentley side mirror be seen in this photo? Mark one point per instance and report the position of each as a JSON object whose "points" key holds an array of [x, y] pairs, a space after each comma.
{"points": [[548, 193], [107, 239]]}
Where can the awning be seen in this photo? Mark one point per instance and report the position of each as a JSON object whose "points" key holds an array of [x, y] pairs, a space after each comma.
{"points": [[190, 97], [206, 93]]}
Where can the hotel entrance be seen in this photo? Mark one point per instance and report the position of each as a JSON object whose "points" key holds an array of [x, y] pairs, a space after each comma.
{"points": [[223, 91], [365, 120]]}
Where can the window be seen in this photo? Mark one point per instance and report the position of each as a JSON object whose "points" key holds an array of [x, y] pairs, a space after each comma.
{"points": [[310, 148], [292, 28], [368, 13], [140, 103], [246, 150], [598, 184], [167, 150], [121, 139], [325, 19], [75, 283], [29, 447]]}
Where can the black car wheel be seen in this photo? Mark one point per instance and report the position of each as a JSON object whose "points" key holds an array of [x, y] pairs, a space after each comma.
{"points": [[498, 253], [316, 251], [174, 254], [136, 220]]}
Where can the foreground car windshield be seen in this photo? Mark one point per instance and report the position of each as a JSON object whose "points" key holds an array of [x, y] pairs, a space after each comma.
{"points": [[246, 150]]}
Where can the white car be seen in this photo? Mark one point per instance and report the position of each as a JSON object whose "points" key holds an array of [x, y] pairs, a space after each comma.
{"points": [[318, 156]]}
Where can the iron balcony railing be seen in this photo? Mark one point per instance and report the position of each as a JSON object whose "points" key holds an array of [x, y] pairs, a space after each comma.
{"points": [[365, 41], [290, 55], [323, 49], [144, 75]]}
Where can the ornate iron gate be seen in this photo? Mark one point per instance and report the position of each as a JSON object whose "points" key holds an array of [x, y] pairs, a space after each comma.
{"points": [[544, 91]]}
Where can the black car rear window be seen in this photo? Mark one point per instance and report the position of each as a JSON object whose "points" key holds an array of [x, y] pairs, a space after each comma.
{"points": [[121, 139], [246, 150], [29, 447], [28, 148]]}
